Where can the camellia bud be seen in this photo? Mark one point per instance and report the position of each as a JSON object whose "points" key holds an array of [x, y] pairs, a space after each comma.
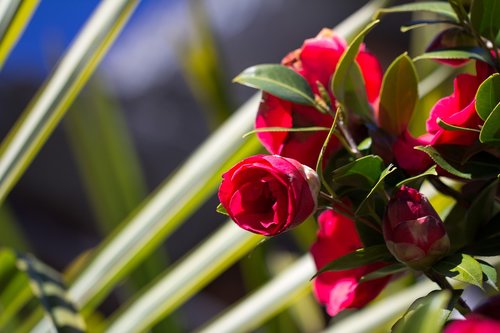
{"points": [[413, 231]]}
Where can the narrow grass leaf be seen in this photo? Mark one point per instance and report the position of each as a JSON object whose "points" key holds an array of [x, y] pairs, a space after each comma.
{"points": [[48, 287], [51, 102], [14, 17]]}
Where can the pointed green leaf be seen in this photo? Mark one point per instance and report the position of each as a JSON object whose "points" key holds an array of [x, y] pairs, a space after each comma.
{"points": [[360, 257], [488, 96], [384, 271], [398, 96], [427, 314], [287, 129], [415, 179], [279, 81], [424, 23], [14, 17], [463, 224], [354, 97], [347, 82], [449, 127], [363, 172], [484, 16], [490, 132], [456, 54], [387, 171], [48, 286], [221, 210], [464, 162], [49, 105], [442, 162], [489, 274], [436, 7], [459, 9], [460, 267]]}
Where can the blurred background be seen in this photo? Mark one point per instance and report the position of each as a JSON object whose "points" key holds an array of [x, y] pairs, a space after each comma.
{"points": [[159, 92]]}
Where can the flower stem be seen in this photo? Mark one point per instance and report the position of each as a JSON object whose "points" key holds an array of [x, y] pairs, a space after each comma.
{"points": [[344, 131], [441, 281], [446, 190]]}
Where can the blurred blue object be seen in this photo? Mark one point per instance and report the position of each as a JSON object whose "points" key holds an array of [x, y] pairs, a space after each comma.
{"points": [[53, 26]]}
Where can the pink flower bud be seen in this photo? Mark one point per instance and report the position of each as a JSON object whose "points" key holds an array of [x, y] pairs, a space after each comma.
{"points": [[269, 194], [413, 231]]}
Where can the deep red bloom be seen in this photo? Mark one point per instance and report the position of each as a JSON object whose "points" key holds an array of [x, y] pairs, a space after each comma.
{"points": [[269, 194], [339, 290], [407, 157], [413, 231], [474, 324], [459, 110], [316, 62]]}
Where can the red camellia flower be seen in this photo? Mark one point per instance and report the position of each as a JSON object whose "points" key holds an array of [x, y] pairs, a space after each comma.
{"points": [[315, 61], [484, 319], [269, 194], [339, 290], [413, 231], [459, 110], [407, 157]]}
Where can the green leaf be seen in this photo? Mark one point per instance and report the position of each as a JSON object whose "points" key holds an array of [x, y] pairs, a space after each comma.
{"points": [[436, 7], [427, 314], [490, 132], [387, 171], [460, 267], [464, 162], [49, 105], [176, 199], [221, 210], [484, 16], [463, 224], [442, 162], [279, 81], [489, 274], [456, 54], [347, 82], [363, 172], [360, 257], [449, 127], [424, 23], [48, 286], [209, 259], [418, 178], [286, 129], [488, 96], [482, 208], [459, 9], [14, 17], [398, 96], [355, 99], [384, 271]]}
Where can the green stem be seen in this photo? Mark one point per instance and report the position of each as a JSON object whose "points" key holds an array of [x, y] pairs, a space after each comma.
{"points": [[446, 190], [441, 281]]}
